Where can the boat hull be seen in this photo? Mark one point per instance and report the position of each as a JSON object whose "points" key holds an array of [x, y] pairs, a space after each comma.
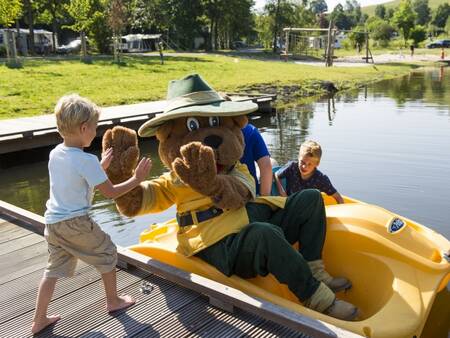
{"points": [[396, 267]]}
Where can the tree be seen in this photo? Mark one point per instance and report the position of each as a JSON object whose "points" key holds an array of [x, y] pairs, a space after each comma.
{"points": [[380, 30], [340, 18], [281, 13], [318, 6], [389, 13], [441, 15], [29, 15], [117, 21], [52, 12], [447, 26], [418, 34], [380, 11], [356, 37], [185, 20], [404, 18], [81, 12], [10, 10], [423, 12]]}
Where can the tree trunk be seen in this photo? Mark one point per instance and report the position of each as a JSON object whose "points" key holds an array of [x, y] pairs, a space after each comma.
{"points": [[275, 31], [54, 33], [11, 51], [30, 19], [84, 56]]}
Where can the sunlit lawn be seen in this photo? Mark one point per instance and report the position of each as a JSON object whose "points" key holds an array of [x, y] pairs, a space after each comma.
{"points": [[34, 88]]}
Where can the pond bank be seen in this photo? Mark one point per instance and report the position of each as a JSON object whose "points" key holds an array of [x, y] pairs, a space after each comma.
{"points": [[35, 88]]}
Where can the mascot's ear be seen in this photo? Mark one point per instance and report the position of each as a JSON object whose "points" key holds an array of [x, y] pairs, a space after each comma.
{"points": [[241, 121], [163, 132]]}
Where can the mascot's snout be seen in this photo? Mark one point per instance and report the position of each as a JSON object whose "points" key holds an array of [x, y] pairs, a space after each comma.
{"points": [[213, 141]]}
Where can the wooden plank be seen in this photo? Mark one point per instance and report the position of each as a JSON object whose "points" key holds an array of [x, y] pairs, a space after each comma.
{"points": [[36, 221], [91, 315], [25, 301], [21, 285], [11, 233], [187, 320], [90, 298], [146, 313], [30, 125], [23, 261], [13, 260], [235, 297], [269, 329], [21, 242], [30, 266], [229, 325]]}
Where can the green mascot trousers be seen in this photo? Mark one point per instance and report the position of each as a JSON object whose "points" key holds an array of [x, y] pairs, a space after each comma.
{"points": [[265, 245]]}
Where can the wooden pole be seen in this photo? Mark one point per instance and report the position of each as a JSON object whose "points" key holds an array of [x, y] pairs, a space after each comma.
{"points": [[328, 60], [286, 43], [366, 34]]}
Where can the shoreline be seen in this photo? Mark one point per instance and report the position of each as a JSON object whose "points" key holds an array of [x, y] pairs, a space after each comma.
{"points": [[34, 89]]}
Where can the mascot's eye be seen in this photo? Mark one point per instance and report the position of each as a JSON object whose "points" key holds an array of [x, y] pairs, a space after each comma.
{"points": [[214, 121], [192, 124]]}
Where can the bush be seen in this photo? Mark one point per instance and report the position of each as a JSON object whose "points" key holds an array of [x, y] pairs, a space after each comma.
{"points": [[347, 44], [2, 51], [382, 32]]}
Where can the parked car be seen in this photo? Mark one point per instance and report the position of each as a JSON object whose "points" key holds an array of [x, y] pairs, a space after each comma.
{"points": [[439, 44], [72, 47], [238, 45]]}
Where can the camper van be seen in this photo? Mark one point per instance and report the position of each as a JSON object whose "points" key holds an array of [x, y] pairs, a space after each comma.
{"points": [[43, 40], [139, 42]]}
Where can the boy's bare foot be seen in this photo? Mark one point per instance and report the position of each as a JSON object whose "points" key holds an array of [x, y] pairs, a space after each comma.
{"points": [[39, 325], [121, 302]]}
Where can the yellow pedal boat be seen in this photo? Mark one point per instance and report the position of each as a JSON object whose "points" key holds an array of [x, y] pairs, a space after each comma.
{"points": [[396, 267]]}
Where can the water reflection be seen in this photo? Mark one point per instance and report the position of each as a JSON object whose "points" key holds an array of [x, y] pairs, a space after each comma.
{"points": [[387, 144]]}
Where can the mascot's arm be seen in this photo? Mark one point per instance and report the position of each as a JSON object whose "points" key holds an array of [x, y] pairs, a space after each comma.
{"points": [[157, 195], [238, 187], [197, 168]]}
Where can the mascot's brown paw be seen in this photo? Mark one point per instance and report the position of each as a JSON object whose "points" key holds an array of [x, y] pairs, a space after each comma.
{"points": [[125, 158], [125, 153], [197, 167]]}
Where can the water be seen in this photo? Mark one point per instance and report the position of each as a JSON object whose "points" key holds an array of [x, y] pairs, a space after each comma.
{"points": [[388, 144]]}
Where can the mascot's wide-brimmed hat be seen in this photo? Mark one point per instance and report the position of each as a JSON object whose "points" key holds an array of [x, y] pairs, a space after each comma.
{"points": [[192, 96]]}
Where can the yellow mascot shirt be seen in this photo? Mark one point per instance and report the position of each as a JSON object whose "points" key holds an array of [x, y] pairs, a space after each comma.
{"points": [[168, 189]]}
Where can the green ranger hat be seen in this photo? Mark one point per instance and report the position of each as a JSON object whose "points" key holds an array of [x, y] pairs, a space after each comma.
{"points": [[193, 96]]}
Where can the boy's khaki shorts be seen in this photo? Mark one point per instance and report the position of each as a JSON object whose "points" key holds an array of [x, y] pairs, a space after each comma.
{"points": [[78, 238]]}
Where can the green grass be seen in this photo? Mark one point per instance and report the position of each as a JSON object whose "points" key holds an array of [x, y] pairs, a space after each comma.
{"points": [[35, 88], [370, 10]]}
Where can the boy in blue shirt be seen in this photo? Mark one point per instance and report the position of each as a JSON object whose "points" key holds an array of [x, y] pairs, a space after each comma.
{"points": [[70, 232], [303, 174], [256, 151]]}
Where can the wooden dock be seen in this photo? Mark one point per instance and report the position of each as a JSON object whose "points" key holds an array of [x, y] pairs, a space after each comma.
{"points": [[40, 131], [171, 302]]}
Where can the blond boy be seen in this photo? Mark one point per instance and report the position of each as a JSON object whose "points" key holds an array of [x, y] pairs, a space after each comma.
{"points": [[70, 232], [303, 174]]}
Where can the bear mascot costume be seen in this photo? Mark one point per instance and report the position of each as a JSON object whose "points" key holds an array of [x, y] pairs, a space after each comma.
{"points": [[220, 218]]}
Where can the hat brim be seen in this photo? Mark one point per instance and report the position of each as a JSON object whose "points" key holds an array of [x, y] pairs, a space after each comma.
{"points": [[224, 108]]}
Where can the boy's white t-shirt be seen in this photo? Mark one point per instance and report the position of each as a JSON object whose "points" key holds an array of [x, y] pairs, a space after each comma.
{"points": [[73, 177]]}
